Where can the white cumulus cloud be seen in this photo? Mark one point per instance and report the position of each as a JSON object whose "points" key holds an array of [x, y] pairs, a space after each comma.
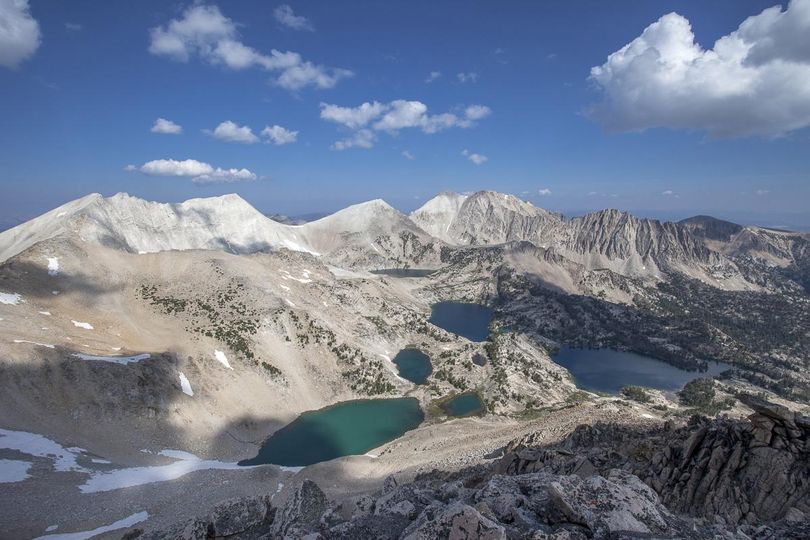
{"points": [[203, 31], [284, 14], [231, 132], [544, 192], [162, 125], [754, 81], [279, 135], [199, 171], [398, 115], [478, 159], [19, 33]]}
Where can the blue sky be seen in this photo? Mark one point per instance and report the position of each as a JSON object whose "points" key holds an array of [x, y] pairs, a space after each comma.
{"points": [[79, 107]]}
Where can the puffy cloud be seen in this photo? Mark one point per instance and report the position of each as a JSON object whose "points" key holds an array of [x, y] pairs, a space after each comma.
{"points": [[754, 81], [478, 159], [279, 135], [467, 77], [544, 192], [166, 126], [400, 114], [433, 76], [203, 31], [284, 15], [308, 74], [363, 138], [130, 168], [352, 117], [199, 172], [19, 33], [230, 132]]}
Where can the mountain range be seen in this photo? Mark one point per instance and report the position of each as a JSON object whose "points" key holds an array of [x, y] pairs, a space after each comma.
{"points": [[147, 347]]}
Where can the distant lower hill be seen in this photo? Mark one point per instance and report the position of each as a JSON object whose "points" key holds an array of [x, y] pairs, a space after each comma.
{"points": [[297, 220], [711, 228]]}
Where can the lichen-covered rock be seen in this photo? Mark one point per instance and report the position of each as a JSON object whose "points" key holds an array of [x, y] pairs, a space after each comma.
{"points": [[457, 521]]}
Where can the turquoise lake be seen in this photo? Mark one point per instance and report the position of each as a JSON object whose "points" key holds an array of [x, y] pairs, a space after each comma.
{"points": [[344, 429], [464, 405]]}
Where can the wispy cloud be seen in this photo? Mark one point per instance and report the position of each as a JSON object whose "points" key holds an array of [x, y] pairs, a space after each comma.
{"points": [[284, 15], [407, 155], [478, 159], [544, 192], [203, 31], [73, 27], [433, 76], [398, 115], [470, 77]]}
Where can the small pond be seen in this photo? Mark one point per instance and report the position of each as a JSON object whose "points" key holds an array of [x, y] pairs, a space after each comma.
{"points": [[463, 319], [344, 429], [404, 272], [607, 370], [414, 365], [466, 404], [479, 359]]}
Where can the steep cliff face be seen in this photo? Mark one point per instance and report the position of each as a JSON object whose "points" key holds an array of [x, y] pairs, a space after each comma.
{"points": [[633, 246], [608, 239]]}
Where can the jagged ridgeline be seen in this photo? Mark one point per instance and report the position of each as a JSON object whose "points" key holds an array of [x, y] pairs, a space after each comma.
{"points": [[195, 331]]}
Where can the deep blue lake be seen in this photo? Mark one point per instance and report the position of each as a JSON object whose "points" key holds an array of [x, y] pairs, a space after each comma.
{"points": [[606, 370], [414, 365], [344, 429], [463, 319]]}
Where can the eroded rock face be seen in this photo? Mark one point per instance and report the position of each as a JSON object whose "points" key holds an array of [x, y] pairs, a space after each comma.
{"points": [[243, 518], [745, 472]]}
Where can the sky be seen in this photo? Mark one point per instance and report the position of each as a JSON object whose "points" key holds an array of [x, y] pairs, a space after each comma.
{"points": [[667, 109]]}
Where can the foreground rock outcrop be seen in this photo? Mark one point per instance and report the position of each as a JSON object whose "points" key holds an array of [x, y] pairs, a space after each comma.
{"points": [[717, 478]]}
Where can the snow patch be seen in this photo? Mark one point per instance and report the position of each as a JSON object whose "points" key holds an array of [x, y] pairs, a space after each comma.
{"points": [[34, 343], [137, 476], [222, 359], [289, 303], [84, 535], [64, 459], [185, 385], [79, 324], [123, 360], [284, 287], [53, 266], [48, 313], [12, 470], [295, 246], [10, 299]]}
